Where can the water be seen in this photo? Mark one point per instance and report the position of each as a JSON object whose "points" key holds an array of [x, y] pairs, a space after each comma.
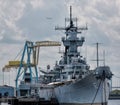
{"points": [[114, 102], [110, 102]]}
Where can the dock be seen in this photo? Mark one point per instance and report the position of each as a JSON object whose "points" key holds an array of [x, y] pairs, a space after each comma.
{"points": [[32, 101], [114, 95]]}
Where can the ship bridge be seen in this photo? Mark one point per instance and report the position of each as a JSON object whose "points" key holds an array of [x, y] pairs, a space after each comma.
{"points": [[71, 41]]}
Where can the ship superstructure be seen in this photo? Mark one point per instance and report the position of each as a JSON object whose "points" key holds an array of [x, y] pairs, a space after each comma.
{"points": [[76, 83], [72, 65]]}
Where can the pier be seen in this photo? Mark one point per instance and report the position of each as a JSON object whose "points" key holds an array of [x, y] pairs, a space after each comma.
{"points": [[115, 93], [32, 101], [114, 96]]}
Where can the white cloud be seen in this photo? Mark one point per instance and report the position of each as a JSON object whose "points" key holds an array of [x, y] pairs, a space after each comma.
{"points": [[103, 18], [37, 4], [22, 20], [11, 12]]}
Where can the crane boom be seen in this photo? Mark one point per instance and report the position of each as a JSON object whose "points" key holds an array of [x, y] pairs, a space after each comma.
{"points": [[47, 43], [35, 47]]}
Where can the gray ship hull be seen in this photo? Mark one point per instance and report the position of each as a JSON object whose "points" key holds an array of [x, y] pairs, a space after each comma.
{"points": [[84, 92], [83, 104]]}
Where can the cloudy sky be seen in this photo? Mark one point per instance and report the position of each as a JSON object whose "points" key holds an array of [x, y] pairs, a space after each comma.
{"points": [[35, 20]]}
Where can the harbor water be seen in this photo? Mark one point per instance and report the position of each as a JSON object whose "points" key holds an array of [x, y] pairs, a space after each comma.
{"points": [[114, 102], [110, 102]]}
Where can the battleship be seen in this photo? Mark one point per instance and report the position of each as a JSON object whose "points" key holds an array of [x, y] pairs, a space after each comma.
{"points": [[74, 83], [71, 81]]}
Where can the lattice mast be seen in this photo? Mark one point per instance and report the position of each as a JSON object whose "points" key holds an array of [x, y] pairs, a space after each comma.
{"points": [[71, 41]]}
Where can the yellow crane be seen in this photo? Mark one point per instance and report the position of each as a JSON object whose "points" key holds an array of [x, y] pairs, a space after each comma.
{"points": [[35, 54], [32, 56]]}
